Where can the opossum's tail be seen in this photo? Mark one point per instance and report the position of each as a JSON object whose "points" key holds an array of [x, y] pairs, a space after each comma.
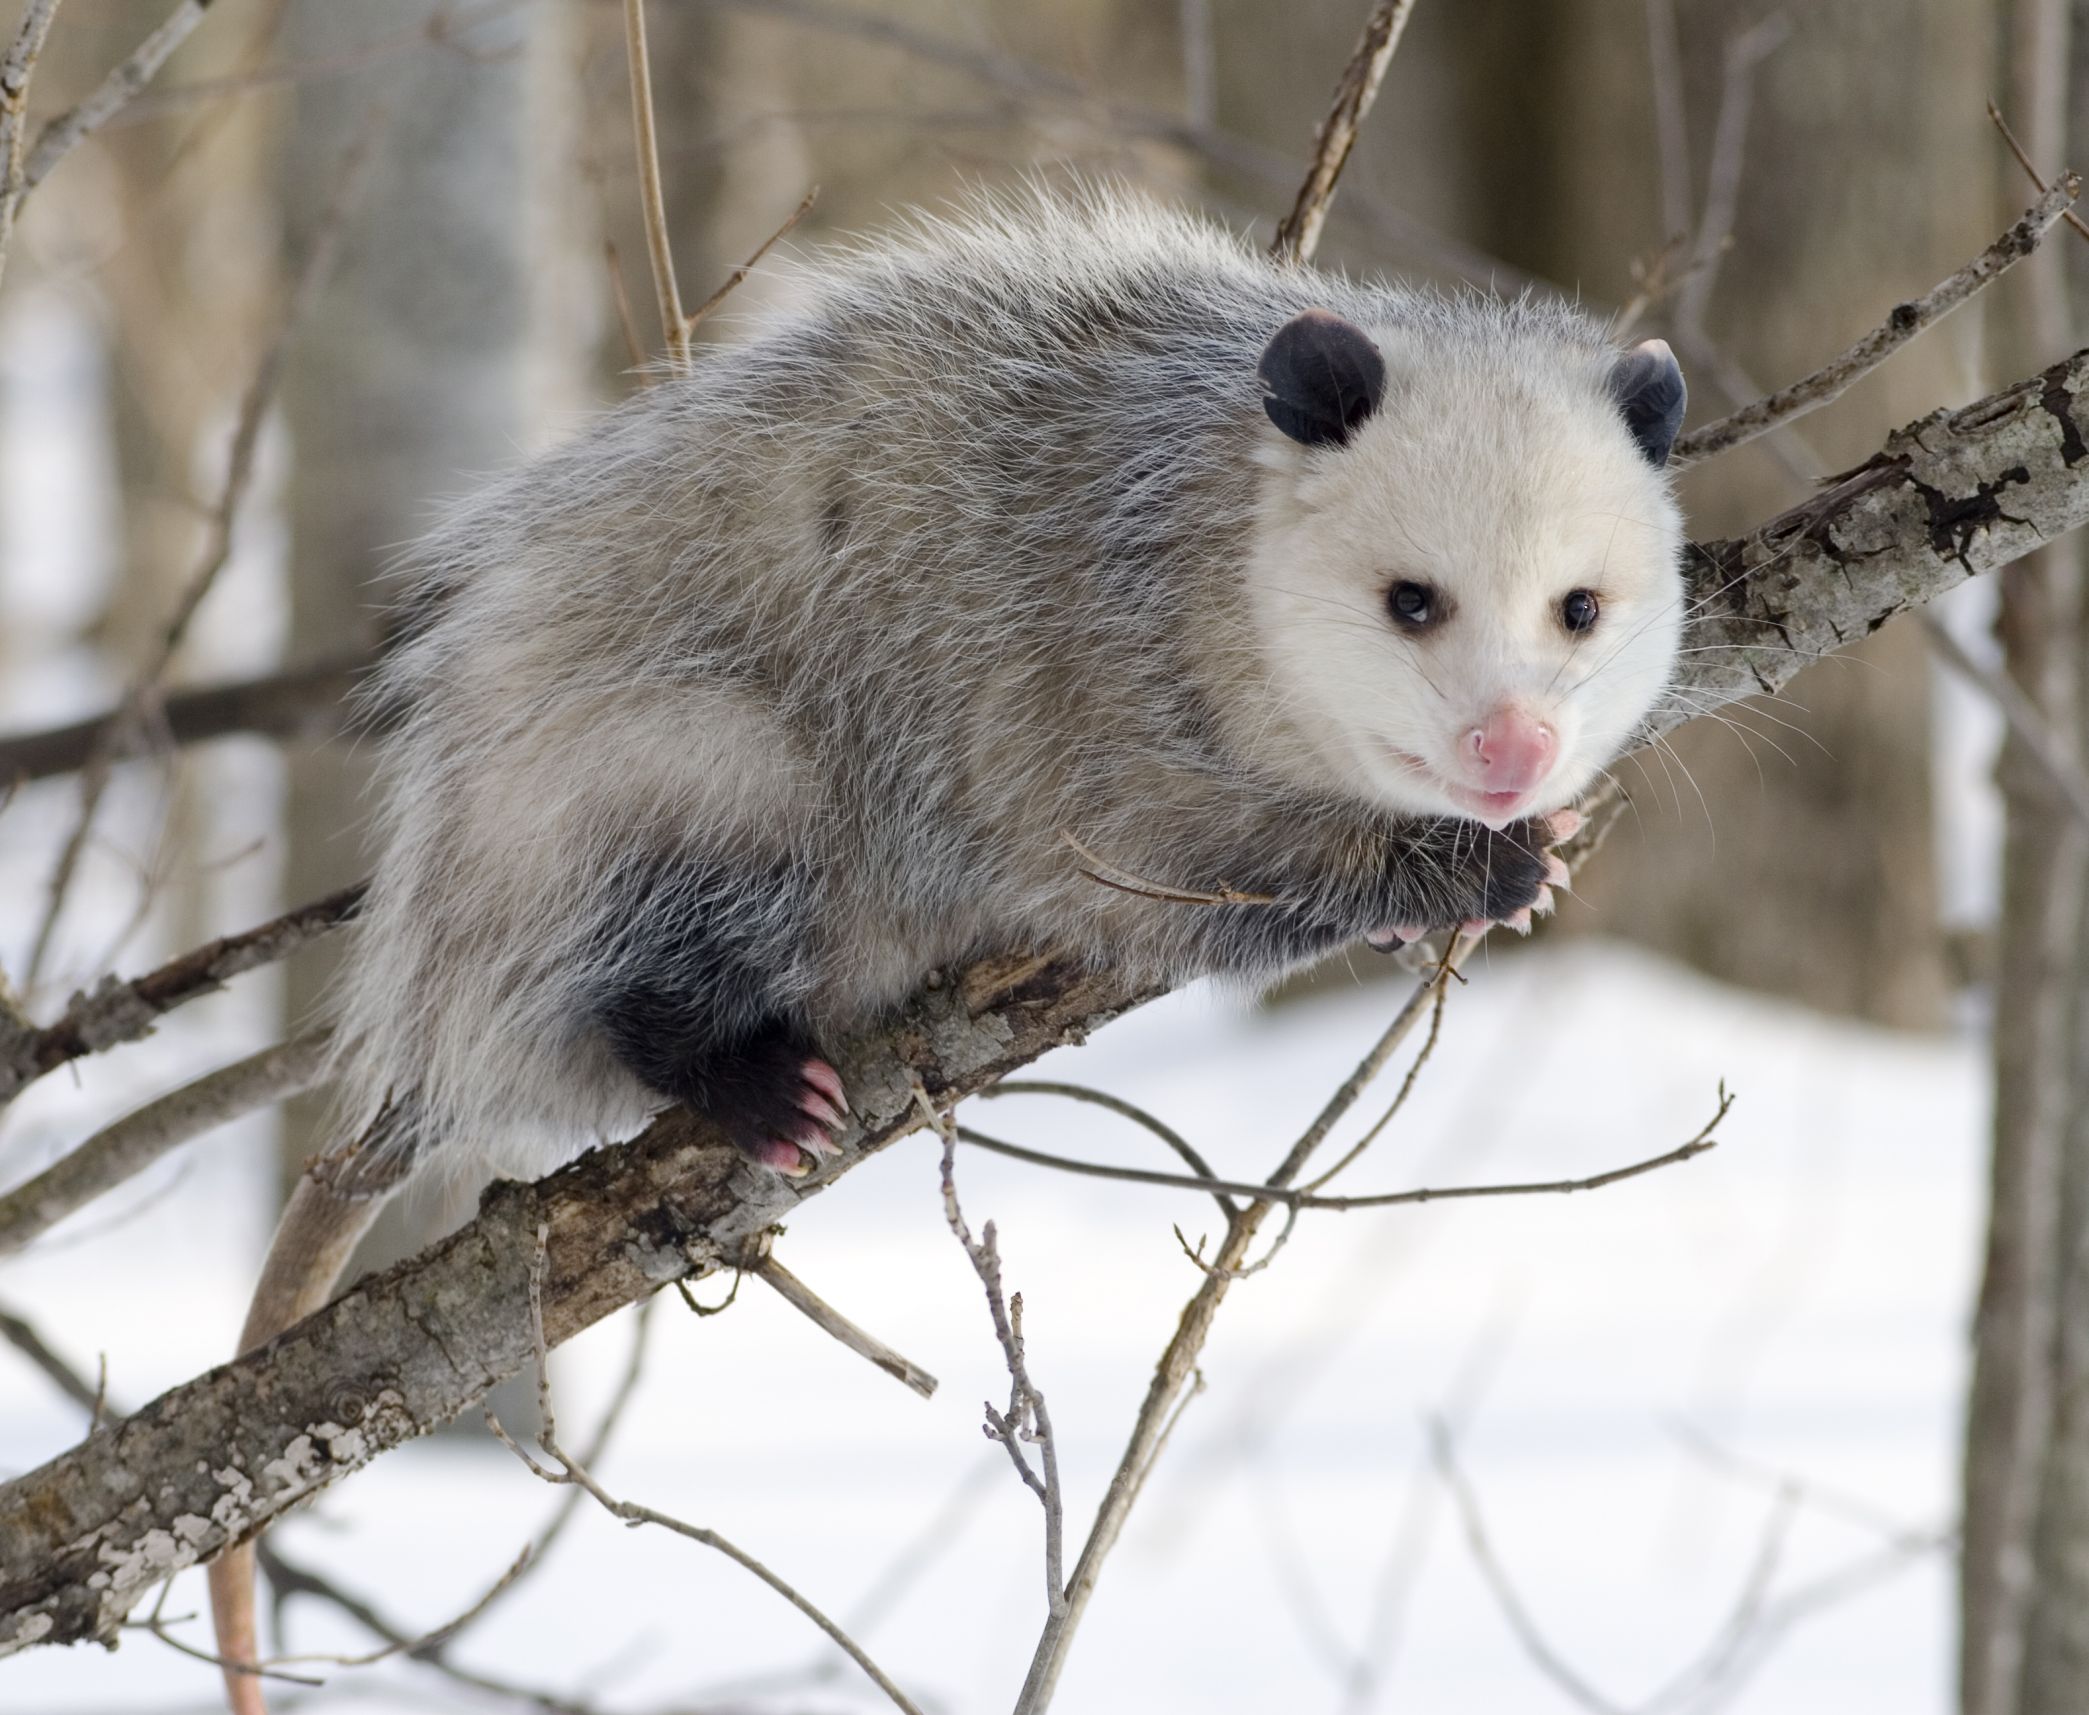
{"points": [[337, 1197]]}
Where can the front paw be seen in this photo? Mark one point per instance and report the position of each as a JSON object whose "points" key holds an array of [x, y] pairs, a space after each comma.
{"points": [[1506, 875]]}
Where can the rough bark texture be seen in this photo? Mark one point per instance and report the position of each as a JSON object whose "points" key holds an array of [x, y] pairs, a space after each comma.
{"points": [[209, 1463]]}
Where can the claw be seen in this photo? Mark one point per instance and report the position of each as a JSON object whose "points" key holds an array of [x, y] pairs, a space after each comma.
{"points": [[821, 1107], [784, 1157], [814, 1138], [823, 1078]]}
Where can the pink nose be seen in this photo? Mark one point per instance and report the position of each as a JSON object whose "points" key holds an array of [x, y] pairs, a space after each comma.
{"points": [[1510, 750]]}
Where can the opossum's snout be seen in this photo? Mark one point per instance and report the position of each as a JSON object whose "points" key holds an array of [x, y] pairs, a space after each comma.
{"points": [[1509, 752], [1509, 762]]}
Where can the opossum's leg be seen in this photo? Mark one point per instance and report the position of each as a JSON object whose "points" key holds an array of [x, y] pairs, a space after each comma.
{"points": [[693, 999], [1434, 875]]}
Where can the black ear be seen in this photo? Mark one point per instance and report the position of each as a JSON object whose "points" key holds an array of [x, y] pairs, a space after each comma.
{"points": [[1647, 383], [1321, 377]]}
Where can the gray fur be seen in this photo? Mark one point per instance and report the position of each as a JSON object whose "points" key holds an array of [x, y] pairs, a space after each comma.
{"points": [[968, 547]]}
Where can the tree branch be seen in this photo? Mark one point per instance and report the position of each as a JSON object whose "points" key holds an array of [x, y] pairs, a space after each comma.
{"points": [[294, 702], [212, 1461], [116, 1011], [1833, 379]]}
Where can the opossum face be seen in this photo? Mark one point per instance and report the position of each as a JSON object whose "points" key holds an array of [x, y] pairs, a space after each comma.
{"points": [[1466, 583]]}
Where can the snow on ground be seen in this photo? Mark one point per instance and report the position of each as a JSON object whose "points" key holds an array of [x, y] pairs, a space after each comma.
{"points": [[1799, 1296]]}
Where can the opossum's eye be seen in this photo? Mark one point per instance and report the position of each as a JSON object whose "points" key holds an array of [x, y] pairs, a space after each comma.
{"points": [[1578, 612], [1321, 377], [1415, 607]]}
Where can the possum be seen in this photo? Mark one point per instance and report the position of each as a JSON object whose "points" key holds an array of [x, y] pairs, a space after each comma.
{"points": [[1062, 525]]}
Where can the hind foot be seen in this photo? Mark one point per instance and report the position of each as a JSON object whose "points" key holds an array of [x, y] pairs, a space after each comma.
{"points": [[782, 1104]]}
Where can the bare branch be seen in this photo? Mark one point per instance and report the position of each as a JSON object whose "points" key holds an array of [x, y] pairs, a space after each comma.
{"points": [[1298, 234], [17, 67], [130, 1145], [1286, 1198], [652, 200], [115, 1011], [77, 124], [1833, 379], [2031, 171], [1026, 1418], [739, 274], [129, 722], [302, 702], [571, 1470], [829, 1320]]}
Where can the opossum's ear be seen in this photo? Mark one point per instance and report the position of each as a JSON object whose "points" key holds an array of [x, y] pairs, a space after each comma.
{"points": [[1321, 377], [1647, 383]]}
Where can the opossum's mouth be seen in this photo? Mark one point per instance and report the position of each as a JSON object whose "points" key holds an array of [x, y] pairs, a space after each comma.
{"points": [[1496, 809]]}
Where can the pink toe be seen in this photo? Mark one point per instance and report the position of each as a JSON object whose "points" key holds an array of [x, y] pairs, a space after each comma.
{"points": [[1542, 905], [783, 1157], [817, 1104], [1518, 921], [1475, 926], [1556, 871], [827, 1081], [1565, 824]]}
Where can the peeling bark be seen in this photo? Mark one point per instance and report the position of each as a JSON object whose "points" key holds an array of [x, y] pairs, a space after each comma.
{"points": [[83, 1538]]}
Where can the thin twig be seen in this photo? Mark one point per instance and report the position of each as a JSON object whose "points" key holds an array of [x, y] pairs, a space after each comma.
{"points": [[1407, 1084], [133, 1143], [572, 1470], [829, 1320], [1111, 875], [1834, 378], [308, 702], [16, 69], [1112, 1104], [674, 325], [1026, 1418], [1177, 1367], [112, 94], [2031, 171], [116, 1011], [739, 274], [1042, 87], [1283, 1197], [130, 720], [1298, 234], [1744, 56]]}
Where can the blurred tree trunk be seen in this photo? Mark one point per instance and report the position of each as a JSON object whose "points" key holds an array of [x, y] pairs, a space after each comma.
{"points": [[408, 374], [2024, 1594]]}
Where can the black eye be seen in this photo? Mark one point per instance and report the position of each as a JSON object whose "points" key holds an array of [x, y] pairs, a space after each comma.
{"points": [[1578, 612], [1412, 604]]}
